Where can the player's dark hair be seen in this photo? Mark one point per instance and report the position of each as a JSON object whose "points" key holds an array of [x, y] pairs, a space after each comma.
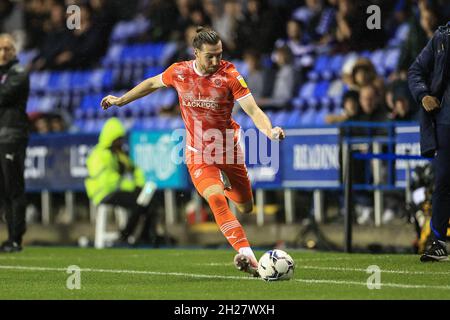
{"points": [[205, 36]]}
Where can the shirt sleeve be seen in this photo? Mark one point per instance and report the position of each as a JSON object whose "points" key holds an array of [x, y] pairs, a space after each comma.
{"points": [[167, 76], [238, 86]]}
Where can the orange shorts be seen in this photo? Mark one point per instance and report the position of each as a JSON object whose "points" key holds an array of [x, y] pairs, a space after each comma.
{"points": [[204, 175]]}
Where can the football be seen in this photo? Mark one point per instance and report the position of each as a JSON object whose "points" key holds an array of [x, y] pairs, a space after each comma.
{"points": [[276, 265]]}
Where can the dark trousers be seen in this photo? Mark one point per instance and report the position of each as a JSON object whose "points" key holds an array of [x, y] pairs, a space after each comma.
{"points": [[128, 200], [12, 189], [441, 194]]}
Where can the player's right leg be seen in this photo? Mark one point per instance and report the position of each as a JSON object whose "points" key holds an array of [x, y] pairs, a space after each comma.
{"points": [[208, 183]]}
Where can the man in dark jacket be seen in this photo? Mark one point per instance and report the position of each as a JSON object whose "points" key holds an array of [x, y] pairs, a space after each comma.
{"points": [[14, 89], [429, 83]]}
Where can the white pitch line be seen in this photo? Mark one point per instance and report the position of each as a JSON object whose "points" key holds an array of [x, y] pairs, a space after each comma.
{"points": [[154, 273], [392, 285], [382, 270], [216, 264], [205, 276]]}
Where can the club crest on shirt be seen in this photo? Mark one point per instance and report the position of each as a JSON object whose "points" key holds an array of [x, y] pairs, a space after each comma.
{"points": [[242, 81], [217, 82]]}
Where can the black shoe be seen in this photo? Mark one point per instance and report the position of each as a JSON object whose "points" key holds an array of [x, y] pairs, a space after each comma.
{"points": [[10, 247], [437, 252]]}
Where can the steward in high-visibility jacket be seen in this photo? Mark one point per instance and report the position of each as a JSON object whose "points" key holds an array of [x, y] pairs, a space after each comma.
{"points": [[110, 169]]}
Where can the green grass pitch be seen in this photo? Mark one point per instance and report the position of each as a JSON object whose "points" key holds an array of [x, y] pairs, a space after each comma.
{"points": [[191, 274]]}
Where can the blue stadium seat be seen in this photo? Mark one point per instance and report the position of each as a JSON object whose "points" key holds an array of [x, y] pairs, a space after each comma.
{"points": [[307, 90], [336, 89], [307, 117], [391, 59], [153, 71], [377, 58], [321, 65], [168, 51], [79, 80], [335, 67], [280, 118], [124, 30], [293, 119], [113, 55], [176, 123], [33, 104], [239, 117]]}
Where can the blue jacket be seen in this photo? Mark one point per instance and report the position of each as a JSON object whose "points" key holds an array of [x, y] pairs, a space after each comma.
{"points": [[428, 76]]}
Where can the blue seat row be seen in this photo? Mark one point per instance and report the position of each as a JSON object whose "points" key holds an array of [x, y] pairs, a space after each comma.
{"points": [[327, 67], [142, 53], [57, 81], [283, 118], [124, 30]]}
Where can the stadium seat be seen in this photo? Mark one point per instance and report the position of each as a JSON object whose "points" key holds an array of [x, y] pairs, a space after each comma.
{"points": [[113, 55], [391, 59], [335, 67], [320, 66]]}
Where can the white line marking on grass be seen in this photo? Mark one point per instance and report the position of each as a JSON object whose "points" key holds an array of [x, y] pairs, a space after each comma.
{"points": [[154, 273], [205, 276], [392, 285], [382, 270], [299, 266]]}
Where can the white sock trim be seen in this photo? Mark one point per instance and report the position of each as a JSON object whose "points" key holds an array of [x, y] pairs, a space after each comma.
{"points": [[247, 251]]}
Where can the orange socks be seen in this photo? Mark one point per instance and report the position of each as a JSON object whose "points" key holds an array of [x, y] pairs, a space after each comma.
{"points": [[227, 222]]}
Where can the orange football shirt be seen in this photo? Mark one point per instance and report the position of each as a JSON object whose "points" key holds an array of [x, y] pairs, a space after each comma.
{"points": [[206, 101]]}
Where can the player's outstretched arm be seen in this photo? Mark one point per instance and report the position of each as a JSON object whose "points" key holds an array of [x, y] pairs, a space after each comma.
{"points": [[261, 120], [142, 89]]}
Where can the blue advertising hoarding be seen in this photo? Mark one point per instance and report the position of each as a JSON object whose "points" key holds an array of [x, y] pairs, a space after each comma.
{"points": [[407, 141], [57, 162], [262, 159], [311, 158], [159, 154]]}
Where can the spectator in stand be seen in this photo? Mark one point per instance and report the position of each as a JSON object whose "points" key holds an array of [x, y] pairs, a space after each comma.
{"points": [[421, 28], [351, 30], [372, 106], [400, 102], [84, 48], [184, 51], [297, 43], [256, 75], [363, 74], [398, 24], [225, 17], [36, 12], [351, 109], [183, 19], [198, 16], [162, 14], [259, 28], [40, 124], [57, 36], [317, 18], [57, 123], [12, 21], [309, 15], [285, 81]]}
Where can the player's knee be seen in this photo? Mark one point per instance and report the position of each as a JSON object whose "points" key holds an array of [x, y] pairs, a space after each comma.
{"points": [[245, 207], [212, 190]]}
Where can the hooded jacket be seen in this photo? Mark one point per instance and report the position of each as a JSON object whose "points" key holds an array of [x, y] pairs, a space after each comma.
{"points": [[110, 171], [427, 76]]}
